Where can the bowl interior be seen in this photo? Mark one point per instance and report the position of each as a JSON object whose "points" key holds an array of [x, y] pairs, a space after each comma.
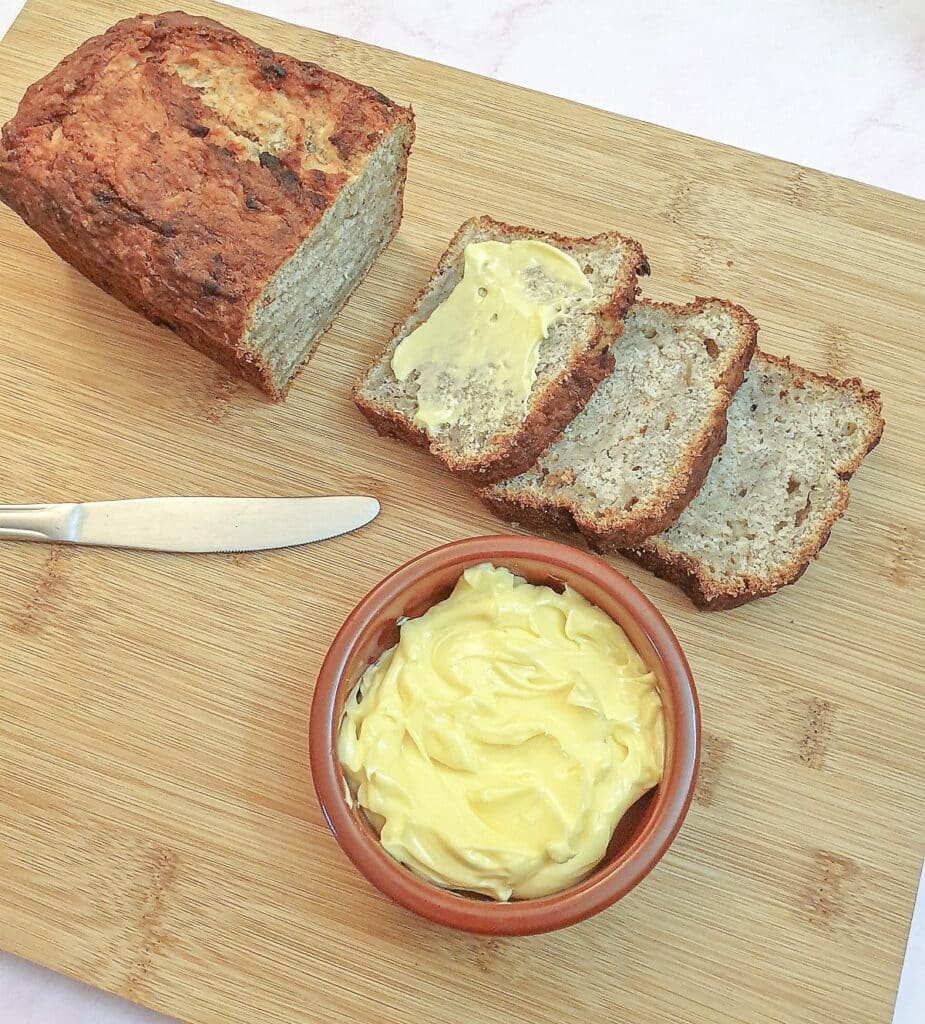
{"points": [[380, 632]]}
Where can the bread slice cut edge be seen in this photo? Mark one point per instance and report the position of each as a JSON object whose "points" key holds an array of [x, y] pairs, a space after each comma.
{"points": [[710, 593], [612, 531]]}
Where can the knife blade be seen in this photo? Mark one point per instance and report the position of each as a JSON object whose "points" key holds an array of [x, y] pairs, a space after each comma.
{"points": [[190, 524]]}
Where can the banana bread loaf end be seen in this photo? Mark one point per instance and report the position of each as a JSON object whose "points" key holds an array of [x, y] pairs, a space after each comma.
{"points": [[233, 194]]}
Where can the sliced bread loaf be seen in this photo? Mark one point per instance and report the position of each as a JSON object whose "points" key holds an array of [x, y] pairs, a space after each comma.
{"points": [[493, 435], [628, 464], [774, 492], [230, 193]]}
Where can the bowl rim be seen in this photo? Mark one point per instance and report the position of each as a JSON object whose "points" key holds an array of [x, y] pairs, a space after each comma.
{"points": [[603, 886]]}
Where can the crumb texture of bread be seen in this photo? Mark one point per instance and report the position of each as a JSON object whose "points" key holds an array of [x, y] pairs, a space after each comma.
{"points": [[630, 462], [774, 492], [493, 437], [231, 193]]}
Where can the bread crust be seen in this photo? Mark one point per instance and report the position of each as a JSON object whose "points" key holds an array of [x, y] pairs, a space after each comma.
{"points": [[707, 593], [548, 519], [561, 400], [611, 533], [163, 200]]}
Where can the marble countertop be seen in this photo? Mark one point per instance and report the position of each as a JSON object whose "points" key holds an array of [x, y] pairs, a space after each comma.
{"points": [[837, 85]]}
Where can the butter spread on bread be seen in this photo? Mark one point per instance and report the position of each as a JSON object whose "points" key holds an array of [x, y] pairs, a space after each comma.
{"points": [[491, 440], [487, 333]]}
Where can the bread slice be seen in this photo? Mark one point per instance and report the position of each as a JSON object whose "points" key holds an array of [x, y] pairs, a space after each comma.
{"points": [[774, 492], [494, 438], [230, 193], [628, 464]]}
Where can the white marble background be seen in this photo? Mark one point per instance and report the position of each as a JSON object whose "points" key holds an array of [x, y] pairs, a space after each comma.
{"points": [[838, 85]]}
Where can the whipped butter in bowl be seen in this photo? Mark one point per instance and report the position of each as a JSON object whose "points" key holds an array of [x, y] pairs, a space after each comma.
{"points": [[497, 745], [505, 735]]}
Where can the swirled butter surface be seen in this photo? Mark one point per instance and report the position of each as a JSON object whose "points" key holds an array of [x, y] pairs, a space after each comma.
{"points": [[498, 743], [487, 333]]}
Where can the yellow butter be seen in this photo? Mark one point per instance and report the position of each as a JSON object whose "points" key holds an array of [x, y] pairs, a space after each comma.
{"points": [[497, 745], [487, 333]]}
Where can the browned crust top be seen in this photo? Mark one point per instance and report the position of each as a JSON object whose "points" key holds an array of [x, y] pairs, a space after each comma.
{"points": [[134, 174]]}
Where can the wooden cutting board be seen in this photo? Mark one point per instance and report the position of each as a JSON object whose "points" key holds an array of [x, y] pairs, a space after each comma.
{"points": [[159, 836]]}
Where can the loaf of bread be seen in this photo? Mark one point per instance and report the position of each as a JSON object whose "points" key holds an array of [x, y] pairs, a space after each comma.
{"points": [[233, 194], [495, 437], [774, 492], [639, 451]]}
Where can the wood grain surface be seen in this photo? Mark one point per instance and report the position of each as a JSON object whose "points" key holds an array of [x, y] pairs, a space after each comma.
{"points": [[159, 835]]}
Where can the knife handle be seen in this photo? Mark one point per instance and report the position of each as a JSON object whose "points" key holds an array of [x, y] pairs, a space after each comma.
{"points": [[53, 523]]}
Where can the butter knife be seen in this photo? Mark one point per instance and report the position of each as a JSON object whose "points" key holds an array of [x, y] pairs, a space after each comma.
{"points": [[189, 524]]}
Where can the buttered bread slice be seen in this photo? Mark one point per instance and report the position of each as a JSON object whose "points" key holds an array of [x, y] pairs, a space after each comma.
{"points": [[630, 462], [776, 489], [504, 346]]}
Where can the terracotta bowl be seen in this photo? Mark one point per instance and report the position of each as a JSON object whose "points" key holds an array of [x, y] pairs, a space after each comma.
{"points": [[645, 832]]}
